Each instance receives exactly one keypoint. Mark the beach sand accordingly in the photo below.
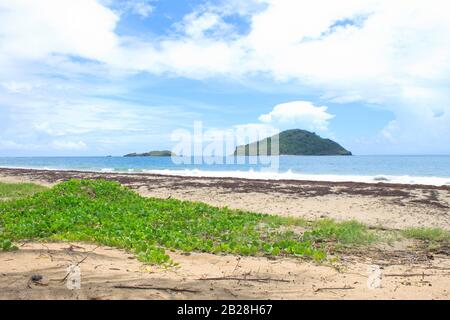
(408, 271)
(108, 273)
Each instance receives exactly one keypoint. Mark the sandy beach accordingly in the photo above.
(109, 273)
(409, 270)
(393, 206)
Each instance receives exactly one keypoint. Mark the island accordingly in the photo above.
(163, 153)
(294, 142)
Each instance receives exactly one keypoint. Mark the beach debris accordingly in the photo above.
(380, 178)
(244, 279)
(149, 287)
(238, 260)
(422, 275)
(334, 288)
(375, 276)
(73, 274)
(36, 279)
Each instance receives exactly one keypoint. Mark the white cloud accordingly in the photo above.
(390, 53)
(36, 29)
(55, 145)
(195, 25)
(68, 145)
(390, 131)
(142, 8)
(301, 114)
(18, 87)
(375, 43)
(13, 145)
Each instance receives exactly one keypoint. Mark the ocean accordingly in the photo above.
(431, 170)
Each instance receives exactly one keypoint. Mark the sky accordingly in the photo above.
(110, 77)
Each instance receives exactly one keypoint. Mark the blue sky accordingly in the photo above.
(99, 77)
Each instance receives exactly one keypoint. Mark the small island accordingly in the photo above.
(163, 153)
(294, 142)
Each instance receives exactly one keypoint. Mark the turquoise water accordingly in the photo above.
(402, 169)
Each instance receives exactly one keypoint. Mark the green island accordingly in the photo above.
(293, 142)
(108, 213)
(162, 153)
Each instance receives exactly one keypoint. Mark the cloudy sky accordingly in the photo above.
(97, 77)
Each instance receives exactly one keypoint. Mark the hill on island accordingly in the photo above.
(163, 153)
(294, 142)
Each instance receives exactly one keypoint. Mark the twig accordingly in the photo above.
(237, 264)
(244, 279)
(144, 287)
(72, 246)
(415, 274)
(335, 288)
(382, 228)
(48, 252)
(438, 268)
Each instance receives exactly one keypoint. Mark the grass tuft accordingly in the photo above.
(427, 234)
(10, 191)
(346, 233)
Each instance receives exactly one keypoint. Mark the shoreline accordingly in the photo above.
(171, 174)
(392, 206)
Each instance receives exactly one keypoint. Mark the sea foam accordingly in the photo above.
(289, 175)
